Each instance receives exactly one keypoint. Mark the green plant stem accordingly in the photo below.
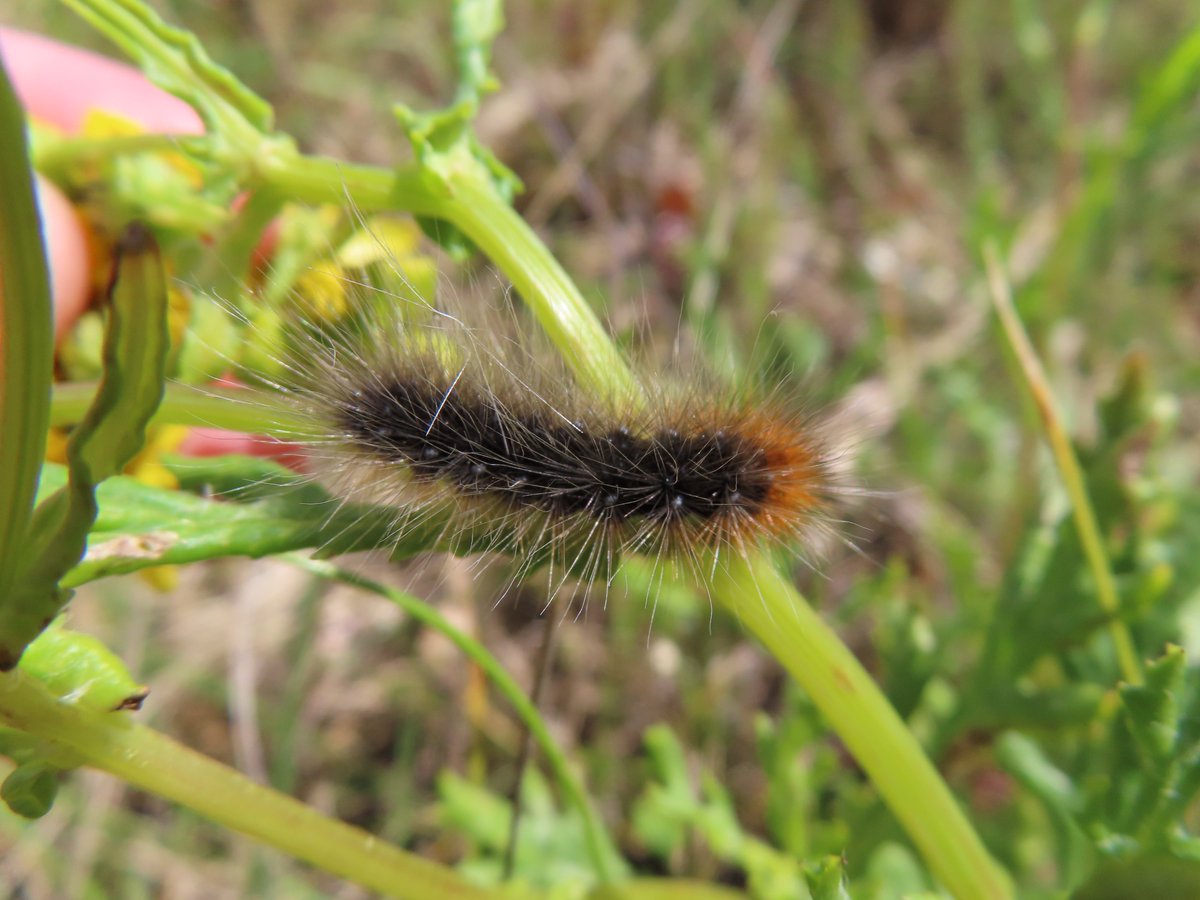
(1068, 468)
(155, 763)
(868, 725)
(55, 157)
(674, 888)
(320, 179)
(474, 207)
(547, 290)
(234, 409)
(606, 860)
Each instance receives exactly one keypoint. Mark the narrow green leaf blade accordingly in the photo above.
(265, 510)
(135, 358)
(26, 336)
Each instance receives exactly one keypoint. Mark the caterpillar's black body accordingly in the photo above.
(536, 460)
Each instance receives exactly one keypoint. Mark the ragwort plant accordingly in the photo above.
(1113, 787)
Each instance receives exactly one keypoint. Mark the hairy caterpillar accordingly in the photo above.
(432, 414)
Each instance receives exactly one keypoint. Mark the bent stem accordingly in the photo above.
(867, 724)
(547, 290)
(475, 207)
(155, 763)
(606, 860)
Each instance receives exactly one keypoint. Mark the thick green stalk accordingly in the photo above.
(319, 179)
(867, 724)
(545, 287)
(155, 763)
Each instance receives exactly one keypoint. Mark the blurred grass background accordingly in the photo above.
(810, 177)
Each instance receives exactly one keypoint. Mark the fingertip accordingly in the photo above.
(59, 85)
(67, 253)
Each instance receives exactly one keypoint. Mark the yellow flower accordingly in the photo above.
(147, 466)
(383, 238)
(321, 291)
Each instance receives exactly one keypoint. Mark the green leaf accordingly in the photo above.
(110, 435)
(448, 152)
(669, 808)
(1118, 175)
(1161, 718)
(263, 509)
(26, 335)
(896, 874)
(1050, 562)
(661, 816)
(1173, 87)
(1183, 791)
(234, 154)
(1143, 779)
(551, 849)
(827, 879)
(797, 767)
(79, 669)
(1028, 764)
(19, 746)
(30, 789)
(139, 526)
(135, 353)
(481, 814)
(1152, 709)
(1075, 703)
(717, 821)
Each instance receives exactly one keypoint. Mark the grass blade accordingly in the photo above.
(1068, 467)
